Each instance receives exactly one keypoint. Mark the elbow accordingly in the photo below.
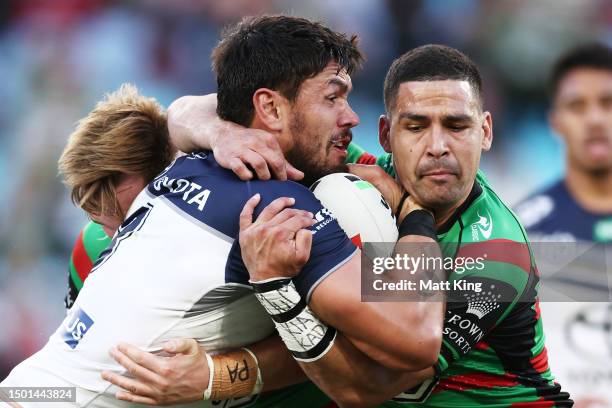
(354, 398)
(421, 351)
(177, 106)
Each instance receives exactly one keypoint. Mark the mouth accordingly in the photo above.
(440, 175)
(598, 146)
(341, 144)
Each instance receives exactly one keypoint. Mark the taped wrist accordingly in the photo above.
(303, 333)
(418, 222)
(232, 375)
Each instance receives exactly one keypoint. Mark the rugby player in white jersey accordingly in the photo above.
(174, 268)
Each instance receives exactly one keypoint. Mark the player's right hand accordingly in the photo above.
(391, 190)
(159, 380)
(277, 244)
(244, 150)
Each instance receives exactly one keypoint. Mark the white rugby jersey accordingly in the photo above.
(174, 270)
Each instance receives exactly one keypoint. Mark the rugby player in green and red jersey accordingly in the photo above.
(493, 352)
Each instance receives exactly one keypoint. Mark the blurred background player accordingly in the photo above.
(578, 208)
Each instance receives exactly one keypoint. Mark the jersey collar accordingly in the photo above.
(141, 199)
(474, 194)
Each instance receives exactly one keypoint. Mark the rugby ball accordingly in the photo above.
(358, 206)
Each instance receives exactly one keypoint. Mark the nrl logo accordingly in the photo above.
(484, 225)
(482, 303)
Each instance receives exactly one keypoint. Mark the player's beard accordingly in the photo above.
(310, 152)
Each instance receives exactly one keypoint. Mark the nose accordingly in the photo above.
(348, 118)
(437, 142)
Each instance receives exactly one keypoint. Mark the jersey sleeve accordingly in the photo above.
(488, 279)
(91, 241)
(357, 155)
(331, 247)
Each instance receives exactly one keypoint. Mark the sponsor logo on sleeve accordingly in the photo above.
(482, 303)
(323, 217)
(75, 326)
(470, 315)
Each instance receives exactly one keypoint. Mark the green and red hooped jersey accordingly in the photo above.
(92, 240)
(493, 352)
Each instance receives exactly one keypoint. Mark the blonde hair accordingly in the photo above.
(126, 133)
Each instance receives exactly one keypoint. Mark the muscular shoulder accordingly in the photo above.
(197, 186)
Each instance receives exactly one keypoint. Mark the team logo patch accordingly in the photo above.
(484, 225)
(77, 324)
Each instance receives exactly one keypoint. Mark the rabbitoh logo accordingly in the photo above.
(482, 303)
(484, 225)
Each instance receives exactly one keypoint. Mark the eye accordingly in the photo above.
(332, 98)
(414, 128)
(457, 129)
(606, 102)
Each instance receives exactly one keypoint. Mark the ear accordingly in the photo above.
(268, 111)
(487, 128)
(127, 187)
(384, 132)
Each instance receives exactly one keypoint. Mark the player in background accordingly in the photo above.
(493, 352)
(578, 208)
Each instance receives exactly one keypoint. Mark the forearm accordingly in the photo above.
(352, 379)
(193, 122)
(278, 367)
(327, 357)
(402, 335)
(418, 318)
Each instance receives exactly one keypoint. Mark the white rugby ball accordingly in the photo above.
(359, 207)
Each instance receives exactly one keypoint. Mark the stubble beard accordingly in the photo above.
(306, 155)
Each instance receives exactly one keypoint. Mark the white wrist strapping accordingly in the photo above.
(303, 333)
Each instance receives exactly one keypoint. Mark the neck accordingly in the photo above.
(592, 190)
(442, 215)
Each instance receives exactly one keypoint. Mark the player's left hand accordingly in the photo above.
(159, 380)
(277, 244)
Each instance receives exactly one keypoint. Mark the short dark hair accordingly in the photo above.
(277, 52)
(430, 62)
(589, 55)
